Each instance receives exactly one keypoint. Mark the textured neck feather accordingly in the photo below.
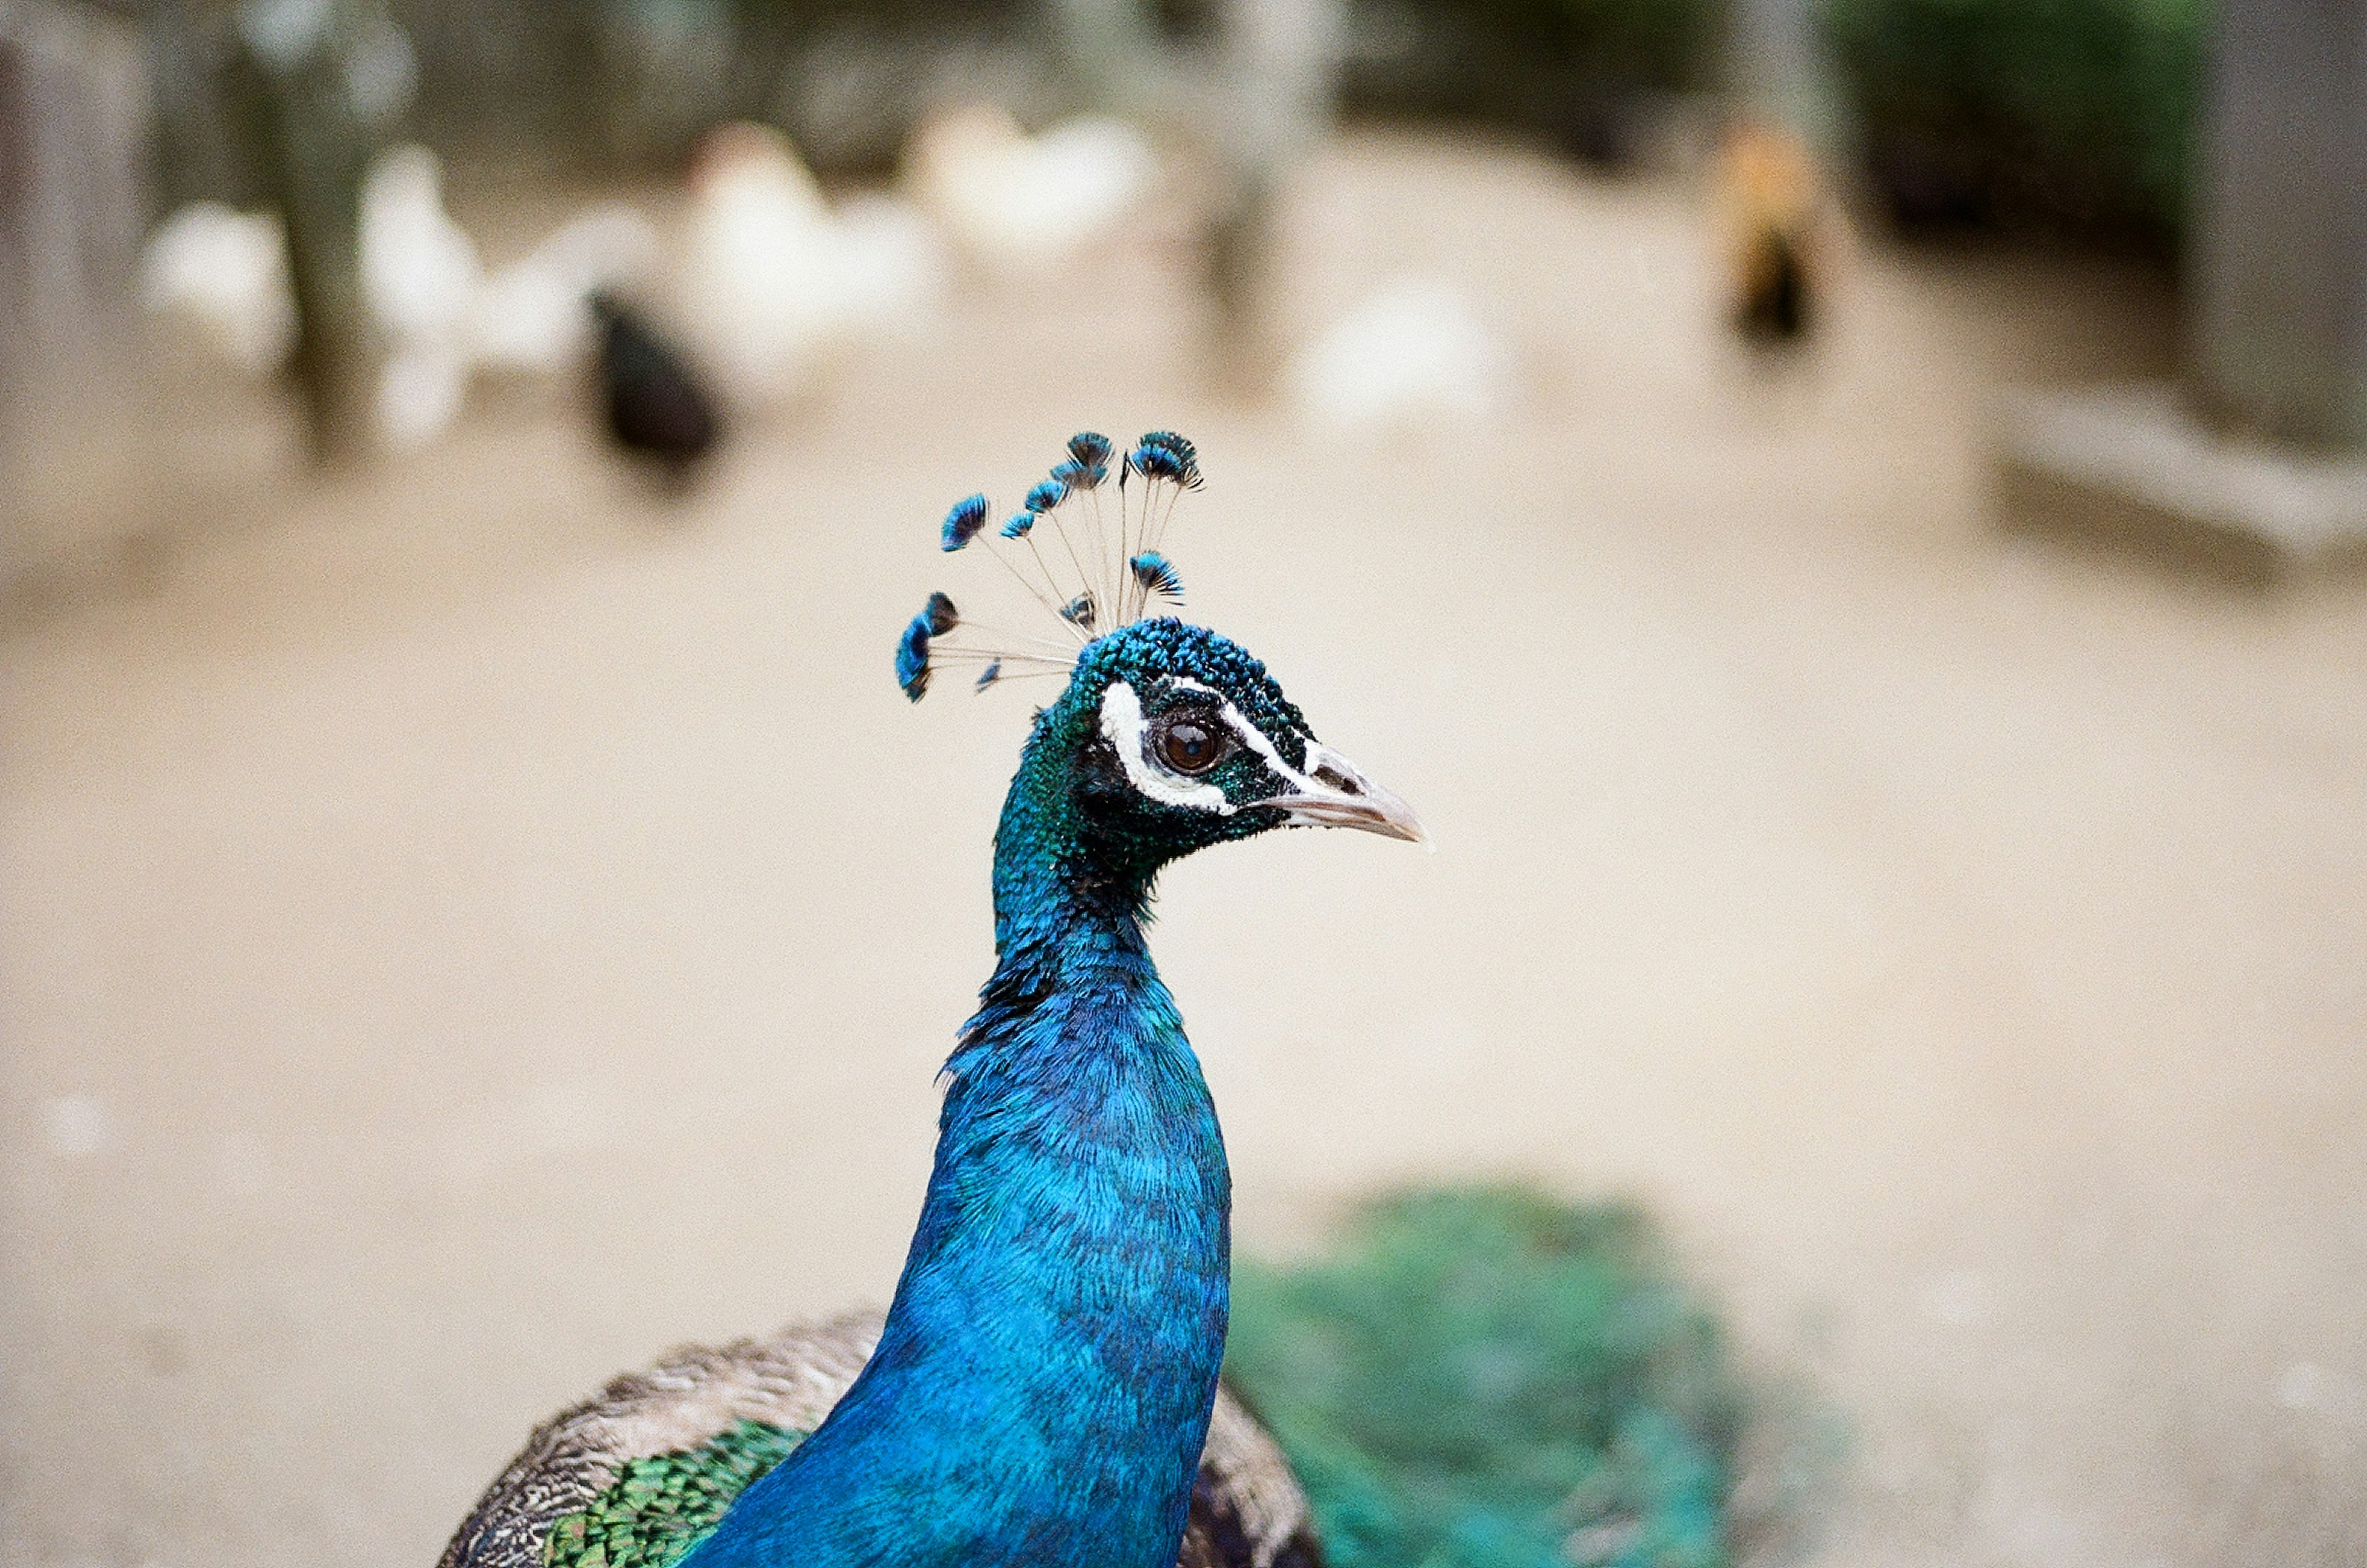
(1041, 1390)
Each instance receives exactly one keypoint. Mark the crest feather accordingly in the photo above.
(1163, 455)
(1157, 574)
(1098, 567)
(962, 524)
(912, 658)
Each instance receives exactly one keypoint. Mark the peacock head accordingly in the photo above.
(1166, 737)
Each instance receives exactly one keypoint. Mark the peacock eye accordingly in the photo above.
(1190, 747)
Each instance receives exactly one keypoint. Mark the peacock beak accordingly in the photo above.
(1334, 793)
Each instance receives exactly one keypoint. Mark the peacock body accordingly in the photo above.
(1044, 1388)
(640, 1472)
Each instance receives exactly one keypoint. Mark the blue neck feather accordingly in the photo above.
(1041, 1392)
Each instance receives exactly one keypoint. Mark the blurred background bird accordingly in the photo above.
(223, 273)
(1412, 356)
(1771, 209)
(656, 408)
(436, 315)
(774, 286)
(420, 281)
(535, 316)
(1017, 205)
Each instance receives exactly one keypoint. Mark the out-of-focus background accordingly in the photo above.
(1837, 511)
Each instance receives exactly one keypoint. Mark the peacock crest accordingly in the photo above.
(1085, 546)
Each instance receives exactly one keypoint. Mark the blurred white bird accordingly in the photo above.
(1021, 205)
(890, 269)
(227, 273)
(770, 289)
(756, 265)
(420, 281)
(772, 286)
(534, 315)
(1408, 357)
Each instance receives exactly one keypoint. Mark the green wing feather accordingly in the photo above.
(658, 1507)
(642, 1472)
(636, 1475)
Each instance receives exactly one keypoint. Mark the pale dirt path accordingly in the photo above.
(482, 930)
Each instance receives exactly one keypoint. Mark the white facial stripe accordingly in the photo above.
(1251, 735)
(1254, 738)
(1123, 724)
(1155, 781)
(1319, 759)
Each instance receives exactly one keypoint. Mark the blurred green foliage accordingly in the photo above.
(1573, 69)
(2064, 113)
(1642, 43)
(1484, 1377)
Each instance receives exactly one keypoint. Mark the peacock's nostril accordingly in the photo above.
(1344, 783)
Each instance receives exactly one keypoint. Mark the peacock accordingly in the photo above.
(1044, 1388)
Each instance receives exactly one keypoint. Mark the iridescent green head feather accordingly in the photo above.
(1176, 738)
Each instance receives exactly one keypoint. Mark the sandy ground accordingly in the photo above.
(464, 934)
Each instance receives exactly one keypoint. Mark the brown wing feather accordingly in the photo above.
(789, 1381)
(1247, 1508)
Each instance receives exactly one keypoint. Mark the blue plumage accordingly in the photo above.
(988, 676)
(1169, 441)
(1163, 455)
(1041, 1390)
(962, 524)
(1073, 580)
(912, 658)
(1156, 463)
(936, 618)
(1157, 574)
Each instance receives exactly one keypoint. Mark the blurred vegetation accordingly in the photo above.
(615, 85)
(1484, 1377)
(1577, 70)
(2063, 114)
